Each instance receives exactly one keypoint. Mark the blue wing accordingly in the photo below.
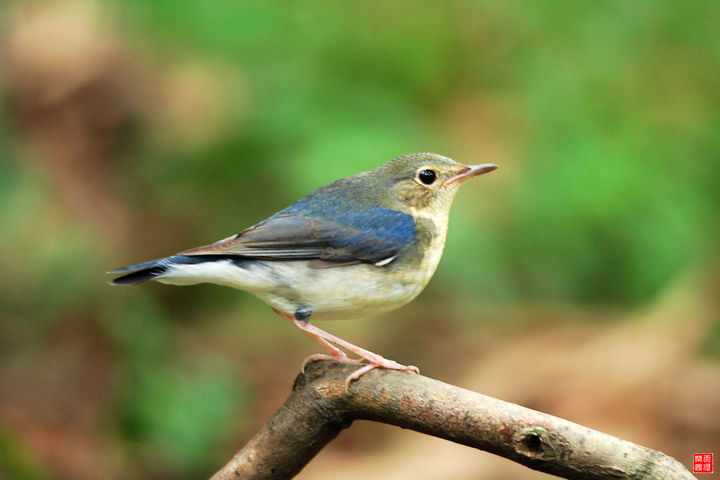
(334, 236)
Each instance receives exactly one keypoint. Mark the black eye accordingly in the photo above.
(427, 176)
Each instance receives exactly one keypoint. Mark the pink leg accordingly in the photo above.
(327, 340)
(337, 354)
(374, 360)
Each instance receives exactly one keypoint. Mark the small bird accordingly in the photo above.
(363, 245)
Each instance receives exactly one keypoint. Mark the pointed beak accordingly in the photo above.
(472, 171)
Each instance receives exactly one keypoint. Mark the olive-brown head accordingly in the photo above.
(424, 183)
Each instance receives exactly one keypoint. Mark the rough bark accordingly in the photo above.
(320, 406)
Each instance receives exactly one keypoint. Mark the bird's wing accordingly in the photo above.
(370, 236)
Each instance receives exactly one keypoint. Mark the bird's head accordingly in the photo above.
(425, 183)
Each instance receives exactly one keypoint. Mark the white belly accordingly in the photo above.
(331, 293)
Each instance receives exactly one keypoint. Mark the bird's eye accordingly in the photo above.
(427, 176)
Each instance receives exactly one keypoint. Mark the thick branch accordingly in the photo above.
(320, 407)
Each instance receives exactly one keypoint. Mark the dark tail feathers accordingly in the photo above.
(141, 272)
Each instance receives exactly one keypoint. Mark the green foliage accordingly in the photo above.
(16, 461)
(177, 416)
(711, 343)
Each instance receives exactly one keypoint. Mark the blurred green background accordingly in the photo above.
(581, 278)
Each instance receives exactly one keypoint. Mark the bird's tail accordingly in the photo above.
(141, 272)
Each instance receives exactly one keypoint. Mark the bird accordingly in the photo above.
(362, 245)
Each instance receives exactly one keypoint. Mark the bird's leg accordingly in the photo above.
(374, 360)
(337, 354)
(329, 341)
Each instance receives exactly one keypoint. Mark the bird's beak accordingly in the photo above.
(470, 171)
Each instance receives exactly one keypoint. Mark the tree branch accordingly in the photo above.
(320, 407)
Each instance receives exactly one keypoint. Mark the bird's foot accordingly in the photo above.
(376, 361)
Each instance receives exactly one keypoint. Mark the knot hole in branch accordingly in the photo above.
(532, 443)
(537, 444)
